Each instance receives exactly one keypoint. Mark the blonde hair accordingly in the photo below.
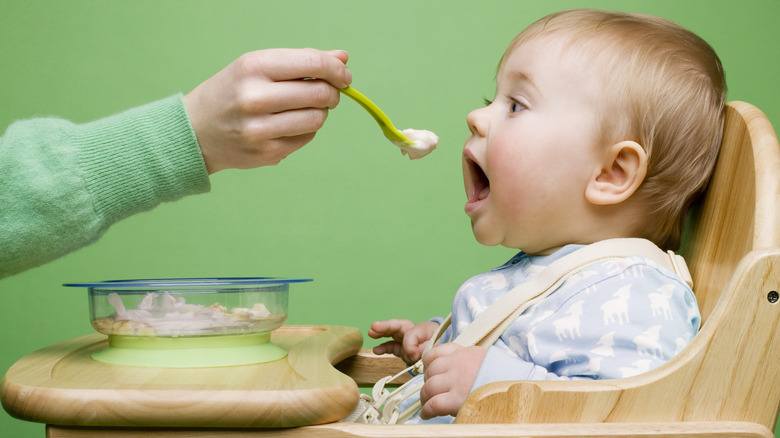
(665, 89)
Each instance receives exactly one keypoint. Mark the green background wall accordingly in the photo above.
(382, 237)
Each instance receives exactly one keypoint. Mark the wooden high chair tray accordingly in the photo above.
(61, 384)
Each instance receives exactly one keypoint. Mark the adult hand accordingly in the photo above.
(450, 372)
(265, 105)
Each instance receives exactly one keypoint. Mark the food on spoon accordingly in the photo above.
(423, 143)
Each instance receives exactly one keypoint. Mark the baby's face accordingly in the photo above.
(532, 151)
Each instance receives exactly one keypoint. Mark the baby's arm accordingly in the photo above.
(409, 339)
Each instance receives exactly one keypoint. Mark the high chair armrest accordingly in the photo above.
(540, 402)
(366, 367)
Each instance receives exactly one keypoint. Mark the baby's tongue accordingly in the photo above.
(484, 193)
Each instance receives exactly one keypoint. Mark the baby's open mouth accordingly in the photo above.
(479, 183)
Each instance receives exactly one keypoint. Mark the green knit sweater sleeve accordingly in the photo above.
(63, 184)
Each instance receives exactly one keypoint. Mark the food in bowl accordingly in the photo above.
(188, 307)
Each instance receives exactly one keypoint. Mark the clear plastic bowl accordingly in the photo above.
(188, 307)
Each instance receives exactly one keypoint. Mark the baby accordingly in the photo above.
(604, 125)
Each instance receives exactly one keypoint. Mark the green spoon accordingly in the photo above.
(390, 131)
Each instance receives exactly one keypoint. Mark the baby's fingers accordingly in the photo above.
(390, 347)
(394, 328)
(437, 399)
(433, 407)
(440, 351)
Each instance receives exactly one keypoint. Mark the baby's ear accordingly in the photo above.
(622, 172)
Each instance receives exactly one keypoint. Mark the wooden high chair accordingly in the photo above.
(725, 383)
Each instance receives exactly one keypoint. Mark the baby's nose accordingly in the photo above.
(477, 122)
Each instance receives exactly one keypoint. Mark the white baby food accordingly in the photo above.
(424, 143)
(166, 315)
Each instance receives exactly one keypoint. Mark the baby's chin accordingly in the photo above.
(491, 238)
(484, 237)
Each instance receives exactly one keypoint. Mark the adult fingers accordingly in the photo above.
(260, 97)
(270, 153)
(283, 125)
(342, 55)
(287, 64)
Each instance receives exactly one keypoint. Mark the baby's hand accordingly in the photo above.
(450, 371)
(408, 338)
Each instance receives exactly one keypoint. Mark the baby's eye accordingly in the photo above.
(487, 101)
(516, 106)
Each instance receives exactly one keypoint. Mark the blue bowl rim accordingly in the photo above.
(189, 282)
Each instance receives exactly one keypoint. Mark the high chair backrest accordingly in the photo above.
(729, 372)
(740, 210)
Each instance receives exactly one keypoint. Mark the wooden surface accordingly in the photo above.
(366, 368)
(347, 430)
(62, 385)
(741, 209)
